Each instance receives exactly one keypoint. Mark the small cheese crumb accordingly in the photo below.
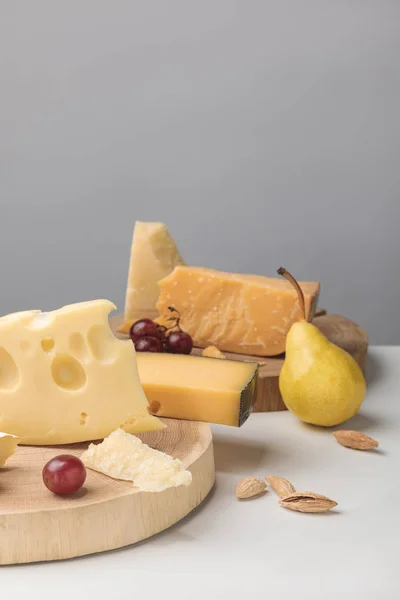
(213, 352)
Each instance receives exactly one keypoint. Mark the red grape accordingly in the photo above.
(179, 342)
(148, 344)
(145, 328)
(64, 474)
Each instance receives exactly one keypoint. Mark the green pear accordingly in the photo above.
(319, 382)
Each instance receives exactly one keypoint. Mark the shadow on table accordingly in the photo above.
(237, 456)
(374, 369)
(362, 422)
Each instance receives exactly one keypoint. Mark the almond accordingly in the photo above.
(282, 486)
(355, 440)
(249, 487)
(307, 502)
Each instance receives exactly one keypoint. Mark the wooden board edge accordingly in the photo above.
(98, 527)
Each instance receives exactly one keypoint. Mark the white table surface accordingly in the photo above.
(256, 549)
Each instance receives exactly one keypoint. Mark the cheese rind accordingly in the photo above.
(246, 314)
(126, 457)
(197, 388)
(65, 378)
(8, 445)
(154, 255)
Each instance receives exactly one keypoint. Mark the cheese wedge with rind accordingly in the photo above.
(245, 314)
(65, 378)
(196, 388)
(126, 457)
(154, 255)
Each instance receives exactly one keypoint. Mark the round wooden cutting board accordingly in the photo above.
(105, 514)
(339, 330)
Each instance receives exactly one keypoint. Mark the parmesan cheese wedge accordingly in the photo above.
(124, 456)
(154, 255)
(245, 314)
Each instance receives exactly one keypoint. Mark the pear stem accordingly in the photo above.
(292, 280)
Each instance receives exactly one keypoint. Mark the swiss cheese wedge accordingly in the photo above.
(196, 388)
(65, 378)
(247, 314)
(154, 255)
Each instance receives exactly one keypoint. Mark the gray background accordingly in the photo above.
(262, 132)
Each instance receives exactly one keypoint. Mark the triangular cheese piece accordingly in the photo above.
(154, 255)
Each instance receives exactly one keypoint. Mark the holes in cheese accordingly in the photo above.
(100, 339)
(155, 407)
(9, 373)
(47, 344)
(77, 346)
(25, 346)
(247, 314)
(72, 395)
(67, 372)
(197, 388)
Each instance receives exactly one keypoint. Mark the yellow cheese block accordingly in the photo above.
(153, 256)
(65, 378)
(197, 388)
(247, 314)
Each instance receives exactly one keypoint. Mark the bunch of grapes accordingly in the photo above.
(148, 336)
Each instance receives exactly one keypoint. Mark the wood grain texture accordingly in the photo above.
(339, 330)
(105, 514)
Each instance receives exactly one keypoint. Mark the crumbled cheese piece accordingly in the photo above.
(124, 456)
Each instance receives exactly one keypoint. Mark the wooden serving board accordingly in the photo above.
(339, 330)
(104, 514)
